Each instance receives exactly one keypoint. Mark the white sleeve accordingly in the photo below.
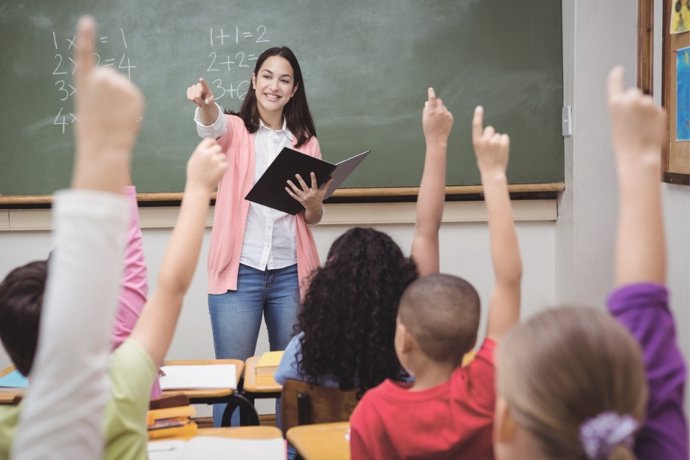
(62, 413)
(214, 130)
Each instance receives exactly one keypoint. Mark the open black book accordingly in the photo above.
(269, 190)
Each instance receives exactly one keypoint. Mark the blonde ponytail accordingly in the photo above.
(565, 367)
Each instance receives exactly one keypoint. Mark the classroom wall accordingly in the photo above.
(464, 243)
(463, 238)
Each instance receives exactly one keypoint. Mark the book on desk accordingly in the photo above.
(266, 367)
(171, 421)
(13, 380)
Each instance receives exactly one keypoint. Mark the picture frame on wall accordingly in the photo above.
(675, 84)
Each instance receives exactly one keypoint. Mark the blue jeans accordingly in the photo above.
(236, 315)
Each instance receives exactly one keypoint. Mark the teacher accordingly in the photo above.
(259, 257)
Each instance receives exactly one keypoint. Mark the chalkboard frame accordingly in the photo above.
(349, 195)
(401, 190)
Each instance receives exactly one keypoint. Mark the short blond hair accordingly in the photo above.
(566, 366)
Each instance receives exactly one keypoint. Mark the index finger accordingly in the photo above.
(477, 122)
(615, 82)
(431, 94)
(204, 85)
(83, 55)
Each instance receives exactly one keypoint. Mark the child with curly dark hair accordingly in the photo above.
(346, 325)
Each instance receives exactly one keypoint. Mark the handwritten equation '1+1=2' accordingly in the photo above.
(64, 66)
(231, 59)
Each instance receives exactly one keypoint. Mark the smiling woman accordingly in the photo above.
(259, 257)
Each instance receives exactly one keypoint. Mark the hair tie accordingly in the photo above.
(603, 433)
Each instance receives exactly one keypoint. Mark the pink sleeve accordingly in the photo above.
(134, 284)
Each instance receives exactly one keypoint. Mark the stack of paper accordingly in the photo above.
(266, 367)
(212, 447)
(198, 377)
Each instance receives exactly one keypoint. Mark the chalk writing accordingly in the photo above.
(114, 55)
(234, 51)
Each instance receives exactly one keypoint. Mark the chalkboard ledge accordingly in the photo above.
(347, 195)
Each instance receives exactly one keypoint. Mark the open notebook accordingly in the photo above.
(215, 447)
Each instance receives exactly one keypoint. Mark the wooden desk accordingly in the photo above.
(10, 395)
(250, 385)
(248, 414)
(322, 441)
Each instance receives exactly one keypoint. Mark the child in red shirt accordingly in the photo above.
(448, 411)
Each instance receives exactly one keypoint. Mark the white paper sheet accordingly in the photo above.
(210, 376)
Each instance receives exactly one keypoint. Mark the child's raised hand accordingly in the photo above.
(206, 165)
(638, 125)
(200, 94)
(437, 121)
(490, 147)
(109, 109)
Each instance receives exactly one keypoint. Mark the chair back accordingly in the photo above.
(302, 403)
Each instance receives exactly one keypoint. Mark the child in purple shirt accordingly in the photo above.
(640, 300)
(572, 382)
(643, 309)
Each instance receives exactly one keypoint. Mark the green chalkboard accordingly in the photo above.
(366, 63)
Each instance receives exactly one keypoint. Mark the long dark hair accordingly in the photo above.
(296, 111)
(349, 311)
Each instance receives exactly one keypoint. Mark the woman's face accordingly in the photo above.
(274, 85)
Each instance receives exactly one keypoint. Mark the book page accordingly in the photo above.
(207, 376)
(218, 447)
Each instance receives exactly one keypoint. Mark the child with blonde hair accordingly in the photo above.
(572, 383)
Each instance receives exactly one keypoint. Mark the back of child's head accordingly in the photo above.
(442, 313)
(349, 311)
(21, 301)
(573, 378)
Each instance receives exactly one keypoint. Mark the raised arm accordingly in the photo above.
(62, 412)
(637, 133)
(640, 301)
(491, 149)
(134, 286)
(156, 326)
(437, 123)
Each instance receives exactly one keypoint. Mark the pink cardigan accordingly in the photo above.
(230, 216)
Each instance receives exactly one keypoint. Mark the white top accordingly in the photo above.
(270, 235)
(62, 413)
